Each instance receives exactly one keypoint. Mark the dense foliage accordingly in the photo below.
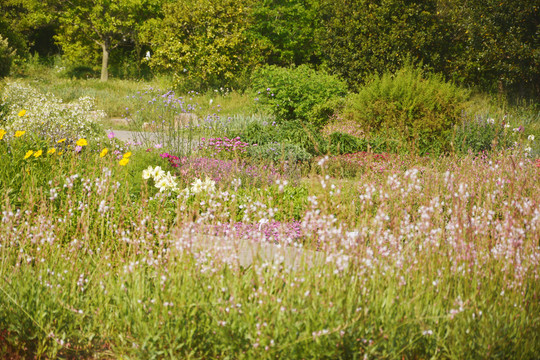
(6, 57)
(416, 108)
(489, 44)
(298, 93)
(363, 37)
(202, 42)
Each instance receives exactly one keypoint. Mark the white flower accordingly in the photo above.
(166, 182)
(528, 149)
(490, 121)
(530, 138)
(147, 173)
(157, 173)
(197, 186)
(209, 185)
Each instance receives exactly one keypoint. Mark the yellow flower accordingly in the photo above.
(38, 153)
(51, 151)
(2, 133)
(19, 133)
(61, 140)
(103, 152)
(28, 154)
(82, 142)
(22, 112)
(127, 155)
(124, 161)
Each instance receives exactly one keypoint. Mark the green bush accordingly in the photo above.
(277, 152)
(298, 93)
(6, 57)
(420, 109)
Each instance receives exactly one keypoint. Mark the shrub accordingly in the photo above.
(6, 57)
(46, 115)
(298, 93)
(277, 152)
(419, 108)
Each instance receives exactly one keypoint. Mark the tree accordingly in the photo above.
(286, 31)
(90, 25)
(22, 20)
(362, 37)
(496, 43)
(203, 42)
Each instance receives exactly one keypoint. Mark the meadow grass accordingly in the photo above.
(432, 258)
(110, 250)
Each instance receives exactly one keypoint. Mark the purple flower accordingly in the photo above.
(110, 135)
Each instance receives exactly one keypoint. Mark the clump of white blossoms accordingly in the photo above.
(47, 116)
(198, 186)
(164, 181)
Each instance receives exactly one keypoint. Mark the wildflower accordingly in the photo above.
(157, 173)
(38, 153)
(530, 137)
(61, 140)
(81, 142)
(209, 185)
(123, 162)
(103, 152)
(51, 151)
(147, 173)
(19, 133)
(22, 113)
(2, 133)
(78, 148)
(127, 155)
(28, 154)
(197, 186)
(110, 135)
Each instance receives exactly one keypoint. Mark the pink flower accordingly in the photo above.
(78, 148)
(110, 135)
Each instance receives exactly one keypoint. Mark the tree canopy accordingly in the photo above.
(485, 43)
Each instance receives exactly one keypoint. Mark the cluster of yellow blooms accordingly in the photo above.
(81, 142)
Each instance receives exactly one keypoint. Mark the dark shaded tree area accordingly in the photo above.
(490, 44)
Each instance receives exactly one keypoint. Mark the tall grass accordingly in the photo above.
(436, 259)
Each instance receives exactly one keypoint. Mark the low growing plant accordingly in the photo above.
(47, 116)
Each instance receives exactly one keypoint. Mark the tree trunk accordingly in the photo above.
(105, 61)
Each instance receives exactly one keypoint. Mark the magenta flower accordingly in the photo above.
(110, 135)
